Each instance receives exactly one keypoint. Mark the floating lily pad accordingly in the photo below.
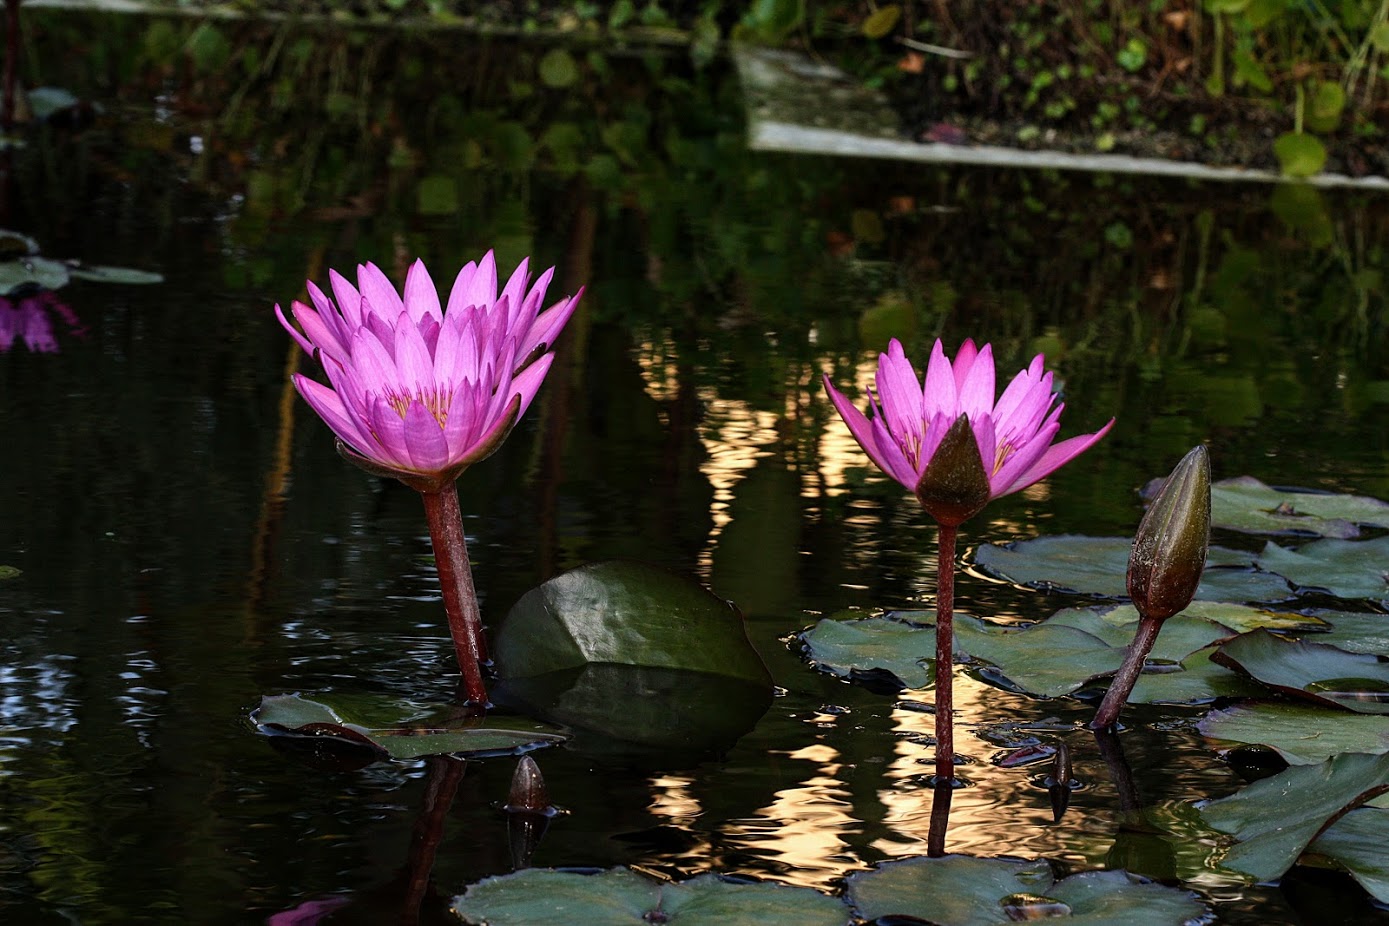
(1316, 672)
(9, 572)
(1355, 631)
(1345, 568)
(33, 270)
(127, 275)
(1356, 843)
(886, 644)
(419, 730)
(630, 614)
(1300, 733)
(1238, 617)
(959, 890)
(1246, 504)
(1275, 818)
(1048, 660)
(1099, 566)
(618, 896)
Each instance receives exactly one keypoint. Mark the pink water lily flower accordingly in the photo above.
(422, 389)
(1014, 434)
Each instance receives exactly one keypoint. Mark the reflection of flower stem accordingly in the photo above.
(945, 633)
(1112, 751)
(940, 818)
(441, 784)
(1127, 676)
(456, 580)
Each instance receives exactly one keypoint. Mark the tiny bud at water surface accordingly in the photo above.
(1169, 550)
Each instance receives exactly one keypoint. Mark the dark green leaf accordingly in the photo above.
(618, 896)
(1299, 155)
(1314, 672)
(1345, 568)
(1276, 817)
(1356, 843)
(1246, 504)
(958, 890)
(419, 730)
(624, 613)
(843, 647)
(1302, 734)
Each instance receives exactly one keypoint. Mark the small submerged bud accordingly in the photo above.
(1169, 550)
(955, 487)
(528, 794)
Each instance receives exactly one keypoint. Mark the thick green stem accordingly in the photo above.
(1127, 676)
(945, 654)
(456, 581)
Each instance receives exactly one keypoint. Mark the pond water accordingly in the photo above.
(188, 540)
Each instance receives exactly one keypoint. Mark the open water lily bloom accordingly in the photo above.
(1014, 434)
(418, 388)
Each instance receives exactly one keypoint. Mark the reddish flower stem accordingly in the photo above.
(1127, 676)
(456, 580)
(945, 655)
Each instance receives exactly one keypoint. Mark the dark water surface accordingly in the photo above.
(189, 541)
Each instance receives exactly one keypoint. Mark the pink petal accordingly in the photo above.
(330, 408)
(388, 429)
(318, 333)
(279, 313)
(378, 291)
(976, 387)
(370, 362)
(530, 307)
(527, 383)
(983, 427)
(899, 393)
(546, 329)
(936, 430)
(348, 299)
(475, 284)
(1024, 452)
(414, 367)
(939, 395)
(332, 318)
(1058, 455)
(515, 289)
(424, 440)
(421, 298)
(893, 464)
(890, 456)
(964, 362)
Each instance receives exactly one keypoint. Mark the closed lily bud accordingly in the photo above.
(1169, 550)
(955, 487)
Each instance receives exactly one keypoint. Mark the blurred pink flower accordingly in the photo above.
(1014, 434)
(417, 389)
(28, 320)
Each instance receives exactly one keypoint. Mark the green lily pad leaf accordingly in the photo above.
(1275, 818)
(618, 896)
(1356, 631)
(959, 890)
(1317, 672)
(99, 274)
(1238, 617)
(9, 572)
(1099, 566)
(1356, 843)
(33, 270)
(629, 614)
(1049, 660)
(849, 647)
(1300, 733)
(1246, 504)
(419, 730)
(670, 710)
(1345, 568)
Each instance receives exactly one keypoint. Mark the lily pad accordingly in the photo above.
(1300, 733)
(1237, 617)
(420, 730)
(848, 647)
(1356, 843)
(1246, 504)
(628, 614)
(959, 890)
(126, 275)
(1276, 818)
(1049, 660)
(33, 270)
(618, 896)
(1345, 568)
(1355, 631)
(9, 572)
(1316, 672)
(1099, 566)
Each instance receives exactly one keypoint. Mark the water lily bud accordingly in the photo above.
(1169, 550)
(955, 487)
(528, 794)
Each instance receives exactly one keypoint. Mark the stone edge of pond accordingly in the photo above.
(799, 106)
